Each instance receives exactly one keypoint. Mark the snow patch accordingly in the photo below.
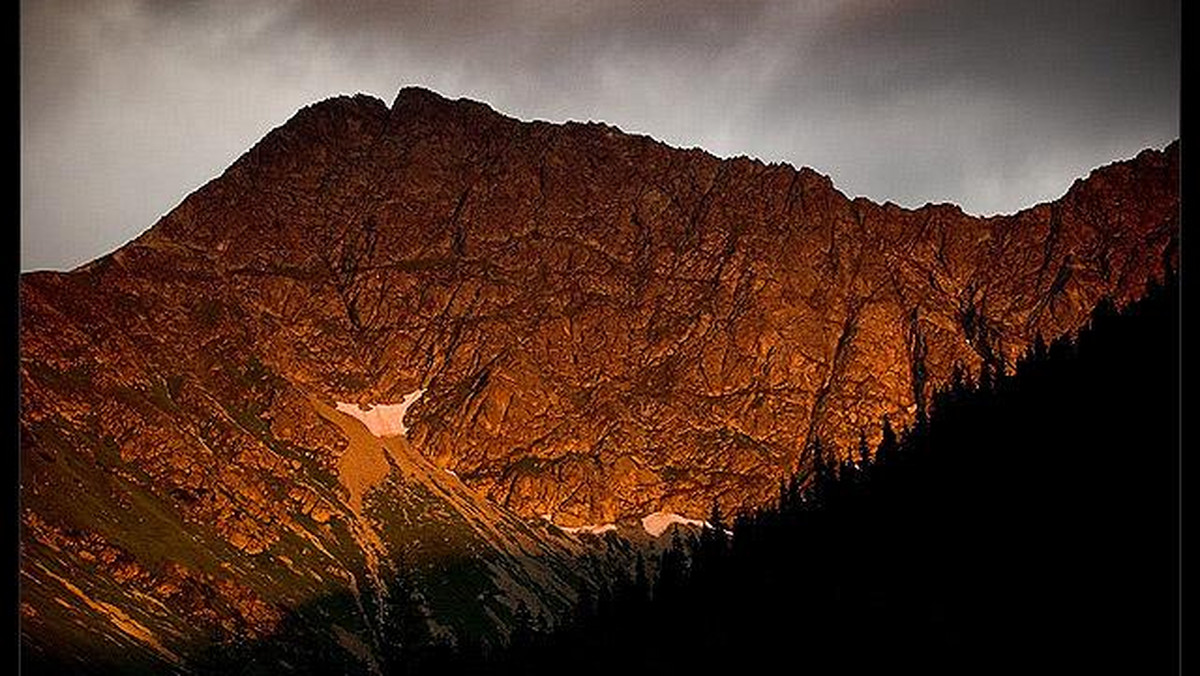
(657, 523)
(594, 529)
(383, 420)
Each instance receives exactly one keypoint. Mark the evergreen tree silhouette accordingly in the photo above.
(888, 445)
(864, 450)
(672, 570)
(1038, 349)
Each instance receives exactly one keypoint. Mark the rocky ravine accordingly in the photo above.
(599, 326)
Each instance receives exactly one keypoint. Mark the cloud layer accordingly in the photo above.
(127, 106)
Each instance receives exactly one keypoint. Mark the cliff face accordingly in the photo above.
(594, 326)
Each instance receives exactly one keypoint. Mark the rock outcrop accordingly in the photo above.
(600, 327)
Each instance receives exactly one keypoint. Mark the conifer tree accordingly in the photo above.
(888, 445)
(672, 570)
(864, 451)
(641, 583)
(1039, 349)
(712, 539)
(958, 380)
(986, 376)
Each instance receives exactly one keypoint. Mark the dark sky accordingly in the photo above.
(127, 106)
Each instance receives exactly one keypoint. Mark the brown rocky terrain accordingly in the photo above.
(601, 327)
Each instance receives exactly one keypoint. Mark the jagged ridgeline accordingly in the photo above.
(427, 352)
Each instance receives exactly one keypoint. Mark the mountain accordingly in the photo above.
(389, 347)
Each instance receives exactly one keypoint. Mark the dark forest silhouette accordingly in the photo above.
(1027, 524)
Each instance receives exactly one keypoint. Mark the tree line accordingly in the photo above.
(1027, 522)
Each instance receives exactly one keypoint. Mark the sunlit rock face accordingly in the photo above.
(603, 326)
(600, 327)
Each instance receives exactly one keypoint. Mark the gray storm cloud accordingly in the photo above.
(128, 106)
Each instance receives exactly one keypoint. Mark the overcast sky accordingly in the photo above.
(127, 106)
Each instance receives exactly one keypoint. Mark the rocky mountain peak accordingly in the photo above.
(606, 326)
(419, 101)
